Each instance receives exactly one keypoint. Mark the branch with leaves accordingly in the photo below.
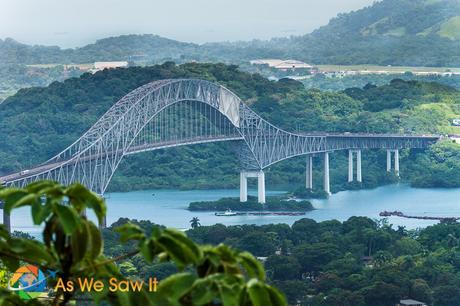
(73, 247)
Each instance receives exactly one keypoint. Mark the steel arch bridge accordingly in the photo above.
(176, 112)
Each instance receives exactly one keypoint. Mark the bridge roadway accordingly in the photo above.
(135, 149)
(341, 142)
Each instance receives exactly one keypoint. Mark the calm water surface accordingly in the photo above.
(168, 207)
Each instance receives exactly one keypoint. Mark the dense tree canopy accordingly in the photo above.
(359, 262)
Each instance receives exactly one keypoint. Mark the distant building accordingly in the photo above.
(411, 303)
(455, 138)
(261, 258)
(283, 65)
(109, 65)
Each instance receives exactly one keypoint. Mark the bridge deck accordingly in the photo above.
(199, 140)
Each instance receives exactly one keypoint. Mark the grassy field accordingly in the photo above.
(451, 28)
(80, 66)
(388, 69)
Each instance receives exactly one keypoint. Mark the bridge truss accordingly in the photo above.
(171, 113)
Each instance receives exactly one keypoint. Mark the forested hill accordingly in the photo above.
(126, 47)
(37, 123)
(390, 32)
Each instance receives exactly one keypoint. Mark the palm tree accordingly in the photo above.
(195, 222)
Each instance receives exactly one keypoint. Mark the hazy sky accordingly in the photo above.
(70, 23)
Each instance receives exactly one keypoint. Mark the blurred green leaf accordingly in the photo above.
(253, 267)
(80, 240)
(129, 231)
(258, 293)
(96, 240)
(68, 218)
(80, 197)
(11, 198)
(171, 289)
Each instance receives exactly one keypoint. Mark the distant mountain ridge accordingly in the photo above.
(390, 32)
(123, 47)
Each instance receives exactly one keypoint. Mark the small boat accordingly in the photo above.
(227, 213)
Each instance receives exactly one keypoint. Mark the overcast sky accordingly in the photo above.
(70, 23)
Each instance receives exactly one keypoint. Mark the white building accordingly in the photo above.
(109, 65)
(283, 65)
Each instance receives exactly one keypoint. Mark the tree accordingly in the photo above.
(257, 243)
(195, 222)
(420, 291)
(382, 294)
(313, 257)
(72, 247)
(448, 295)
(283, 267)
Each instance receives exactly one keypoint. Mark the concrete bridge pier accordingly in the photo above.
(396, 161)
(327, 187)
(388, 160)
(243, 187)
(260, 175)
(350, 166)
(261, 187)
(309, 172)
(6, 219)
(103, 223)
(359, 177)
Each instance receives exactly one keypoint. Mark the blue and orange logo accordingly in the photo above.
(28, 282)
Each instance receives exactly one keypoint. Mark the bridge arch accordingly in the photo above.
(94, 157)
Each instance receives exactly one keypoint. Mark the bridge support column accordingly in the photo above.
(396, 161)
(388, 160)
(327, 187)
(103, 223)
(359, 176)
(261, 187)
(260, 175)
(350, 166)
(243, 187)
(6, 219)
(309, 172)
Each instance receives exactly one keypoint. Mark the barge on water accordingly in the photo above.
(229, 213)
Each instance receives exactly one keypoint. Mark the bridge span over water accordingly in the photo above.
(177, 112)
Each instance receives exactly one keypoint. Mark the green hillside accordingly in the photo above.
(152, 48)
(390, 32)
(451, 28)
(37, 123)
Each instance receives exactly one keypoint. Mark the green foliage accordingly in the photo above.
(439, 166)
(273, 204)
(195, 222)
(4, 277)
(72, 246)
(356, 262)
(321, 82)
(17, 76)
